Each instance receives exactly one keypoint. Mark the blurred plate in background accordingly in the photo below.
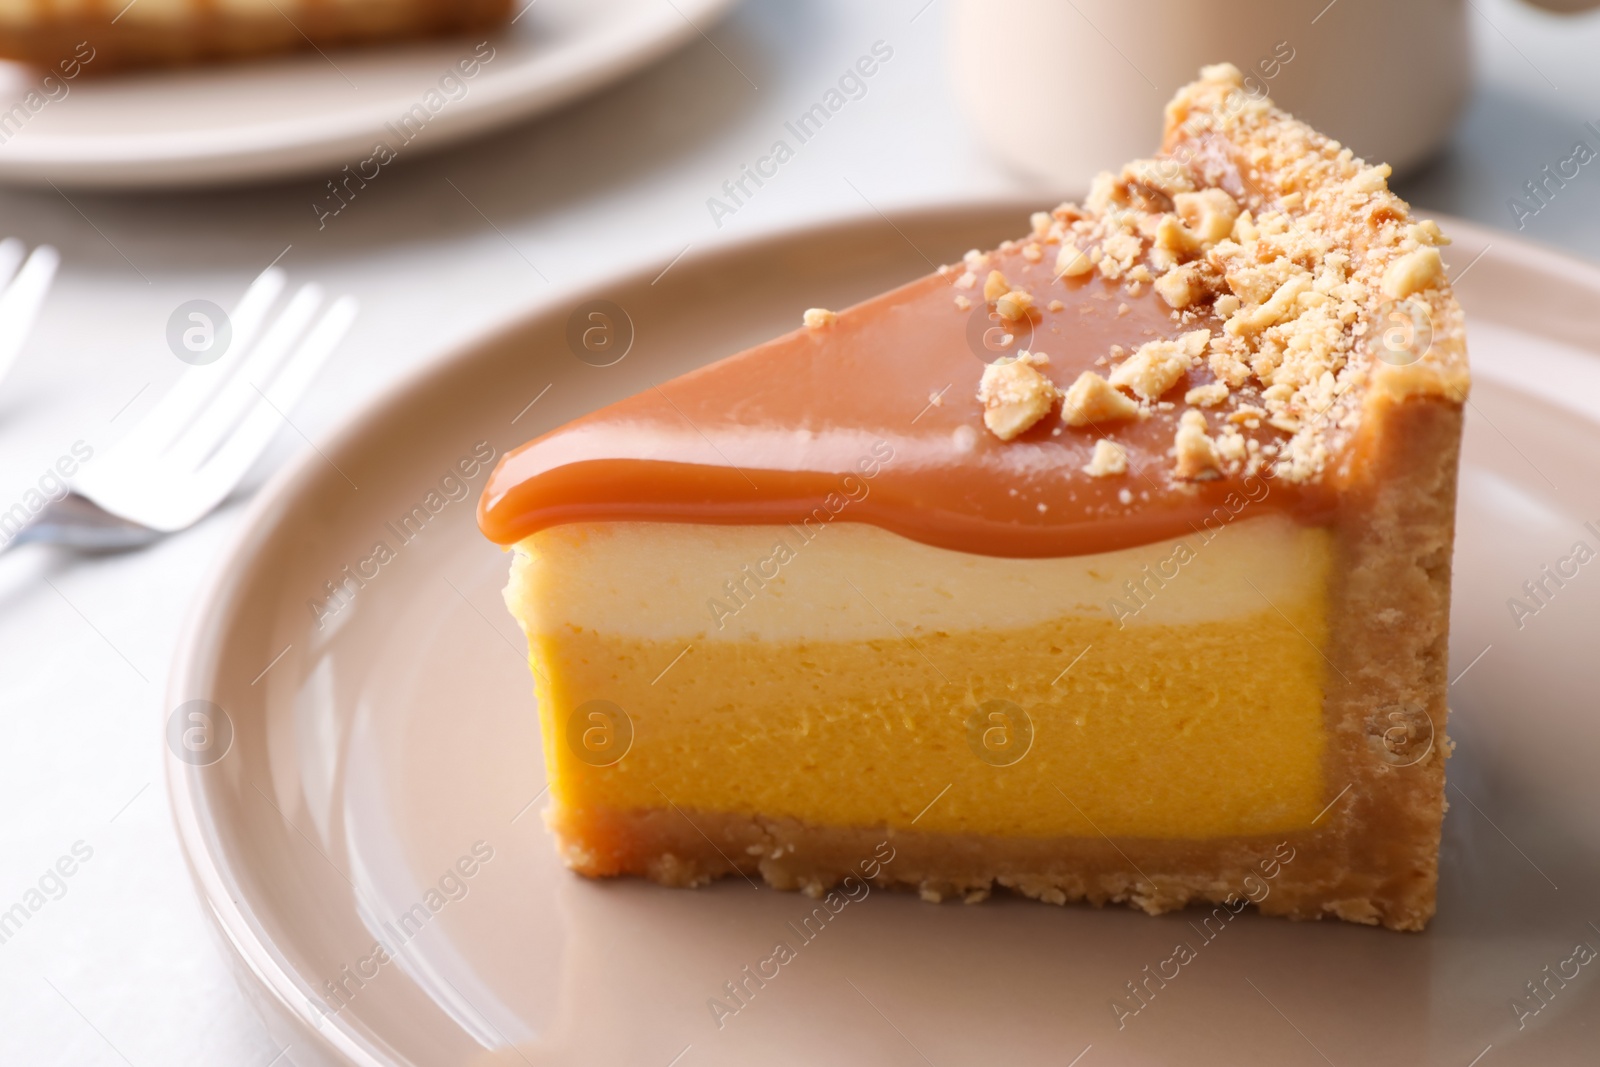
(270, 118)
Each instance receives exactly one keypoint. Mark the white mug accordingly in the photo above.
(1063, 89)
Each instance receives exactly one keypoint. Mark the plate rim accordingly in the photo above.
(282, 148)
(198, 645)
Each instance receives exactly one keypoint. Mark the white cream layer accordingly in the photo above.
(672, 581)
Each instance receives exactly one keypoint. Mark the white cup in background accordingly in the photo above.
(1062, 89)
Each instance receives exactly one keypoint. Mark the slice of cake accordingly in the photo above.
(95, 38)
(1148, 604)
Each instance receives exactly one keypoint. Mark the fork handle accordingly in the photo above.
(78, 522)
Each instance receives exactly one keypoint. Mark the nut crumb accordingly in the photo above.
(1015, 305)
(995, 286)
(1056, 305)
(1070, 262)
(1208, 215)
(1197, 455)
(963, 303)
(1109, 459)
(1427, 232)
(1180, 286)
(819, 318)
(1091, 399)
(1413, 272)
(1157, 365)
(1207, 396)
(1014, 397)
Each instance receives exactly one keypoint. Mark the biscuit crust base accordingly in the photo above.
(207, 35)
(1371, 856)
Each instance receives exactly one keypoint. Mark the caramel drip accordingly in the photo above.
(836, 424)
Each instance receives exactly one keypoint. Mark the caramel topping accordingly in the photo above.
(818, 417)
(1238, 273)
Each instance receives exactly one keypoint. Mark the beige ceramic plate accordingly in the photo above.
(372, 750)
(287, 115)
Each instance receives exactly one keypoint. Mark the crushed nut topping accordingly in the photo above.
(818, 318)
(1157, 365)
(1207, 396)
(1274, 248)
(1092, 400)
(1181, 286)
(1108, 459)
(1413, 272)
(1014, 305)
(1071, 262)
(1197, 455)
(1014, 396)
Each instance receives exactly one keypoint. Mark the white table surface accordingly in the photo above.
(122, 968)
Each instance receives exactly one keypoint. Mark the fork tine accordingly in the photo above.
(232, 459)
(188, 397)
(20, 303)
(11, 250)
(233, 401)
(314, 351)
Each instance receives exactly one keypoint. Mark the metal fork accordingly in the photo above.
(24, 292)
(184, 458)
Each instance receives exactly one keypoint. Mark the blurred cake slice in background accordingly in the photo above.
(114, 35)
